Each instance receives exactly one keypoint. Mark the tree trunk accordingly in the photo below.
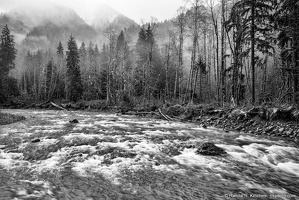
(264, 75)
(252, 51)
(222, 55)
(295, 74)
(194, 49)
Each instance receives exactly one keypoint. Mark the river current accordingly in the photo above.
(110, 156)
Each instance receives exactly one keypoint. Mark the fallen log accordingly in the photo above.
(43, 104)
(57, 106)
(60, 107)
(165, 116)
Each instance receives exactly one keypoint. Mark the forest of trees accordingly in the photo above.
(227, 51)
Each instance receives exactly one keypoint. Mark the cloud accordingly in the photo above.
(7, 4)
(134, 9)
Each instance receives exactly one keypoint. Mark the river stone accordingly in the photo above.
(210, 149)
(35, 140)
(74, 121)
(238, 114)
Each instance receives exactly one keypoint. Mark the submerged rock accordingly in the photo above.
(74, 121)
(35, 140)
(210, 149)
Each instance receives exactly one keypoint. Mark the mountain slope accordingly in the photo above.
(14, 25)
(43, 26)
(104, 16)
(42, 11)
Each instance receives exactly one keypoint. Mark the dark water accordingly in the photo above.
(107, 156)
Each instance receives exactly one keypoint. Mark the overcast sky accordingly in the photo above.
(134, 9)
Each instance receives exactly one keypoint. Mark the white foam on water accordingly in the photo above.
(111, 172)
(62, 115)
(156, 132)
(207, 130)
(166, 124)
(51, 131)
(81, 148)
(141, 122)
(92, 163)
(169, 168)
(37, 112)
(23, 145)
(282, 158)
(50, 163)
(190, 158)
(183, 133)
(46, 127)
(254, 149)
(275, 156)
(105, 115)
(27, 134)
(57, 158)
(82, 125)
(8, 130)
(82, 136)
(289, 167)
(9, 160)
(251, 139)
(145, 146)
(124, 145)
(47, 142)
(78, 128)
(283, 150)
(231, 148)
(61, 123)
(242, 157)
(112, 124)
(280, 154)
(3, 135)
(237, 153)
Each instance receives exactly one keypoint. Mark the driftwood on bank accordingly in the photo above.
(164, 115)
(57, 106)
(61, 108)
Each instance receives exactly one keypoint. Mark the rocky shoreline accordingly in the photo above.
(261, 120)
(270, 121)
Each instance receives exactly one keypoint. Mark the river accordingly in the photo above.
(110, 156)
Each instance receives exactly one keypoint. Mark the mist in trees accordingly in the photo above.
(7, 58)
(228, 52)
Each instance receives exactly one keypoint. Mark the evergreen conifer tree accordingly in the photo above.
(7, 57)
(61, 72)
(251, 21)
(74, 87)
(60, 49)
(286, 22)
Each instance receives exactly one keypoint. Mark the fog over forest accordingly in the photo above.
(207, 52)
(149, 99)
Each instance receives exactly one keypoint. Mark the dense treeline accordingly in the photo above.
(229, 51)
